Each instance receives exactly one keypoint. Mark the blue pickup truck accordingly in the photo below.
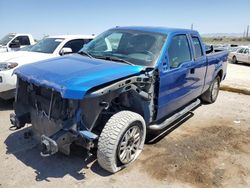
(125, 83)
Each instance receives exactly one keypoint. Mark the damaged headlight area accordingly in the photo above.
(56, 122)
(7, 65)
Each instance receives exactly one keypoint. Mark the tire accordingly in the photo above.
(211, 94)
(234, 60)
(116, 138)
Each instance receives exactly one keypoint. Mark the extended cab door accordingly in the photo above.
(183, 80)
(199, 65)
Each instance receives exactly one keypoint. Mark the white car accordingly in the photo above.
(241, 55)
(49, 47)
(15, 41)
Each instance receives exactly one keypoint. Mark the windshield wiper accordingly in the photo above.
(112, 58)
(85, 53)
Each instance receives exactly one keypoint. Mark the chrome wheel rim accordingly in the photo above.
(215, 90)
(129, 144)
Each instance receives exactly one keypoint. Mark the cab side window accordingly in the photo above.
(246, 51)
(179, 51)
(75, 45)
(241, 50)
(197, 47)
(23, 40)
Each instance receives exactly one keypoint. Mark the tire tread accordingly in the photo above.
(110, 137)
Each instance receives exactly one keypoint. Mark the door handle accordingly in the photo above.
(192, 71)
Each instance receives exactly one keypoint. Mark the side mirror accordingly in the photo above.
(15, 44)
(209, 49)
(65, 51)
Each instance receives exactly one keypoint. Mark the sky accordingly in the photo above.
(53, 17)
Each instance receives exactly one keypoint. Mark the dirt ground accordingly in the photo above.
(210, 149)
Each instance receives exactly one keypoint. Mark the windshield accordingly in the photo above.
(47, 45)
(4, 41)
(137, 47)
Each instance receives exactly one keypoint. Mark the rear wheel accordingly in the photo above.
(234, 60)
(121, 141)
(211, 94)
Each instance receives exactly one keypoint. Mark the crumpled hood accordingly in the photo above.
(74, 75)
(24, 57)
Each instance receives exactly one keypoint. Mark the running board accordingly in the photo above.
(175, 116)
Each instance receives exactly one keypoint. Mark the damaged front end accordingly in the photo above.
(58, 122)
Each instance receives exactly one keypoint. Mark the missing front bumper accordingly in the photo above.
(54, 136)
(49, 146)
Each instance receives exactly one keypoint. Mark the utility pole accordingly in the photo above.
(192, 26)
(247, 31)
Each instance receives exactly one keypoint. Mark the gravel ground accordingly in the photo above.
(210, 149)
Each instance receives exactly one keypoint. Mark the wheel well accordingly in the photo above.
(127, 101)
(220, 74)
(234, 58)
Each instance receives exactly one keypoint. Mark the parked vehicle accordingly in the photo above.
(225, 47)
(124, 83)
(218, 48)
(241, 55)
(15, 41)
(50, 47)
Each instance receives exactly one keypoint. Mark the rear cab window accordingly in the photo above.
(179, 51)
(241, 50)
(198, 52)
(246, 51)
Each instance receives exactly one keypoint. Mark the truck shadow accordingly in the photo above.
(153, 138)
(56, 166)
(6, 105)
(59, 165)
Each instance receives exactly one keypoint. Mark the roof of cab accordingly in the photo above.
(163, 30)
(73, 36)
(17, 34)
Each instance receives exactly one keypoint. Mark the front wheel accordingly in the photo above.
(211, 94)
(121, 141)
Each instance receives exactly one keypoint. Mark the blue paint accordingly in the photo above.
(74, 75)
(178, 86)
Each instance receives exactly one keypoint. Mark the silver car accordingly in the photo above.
(241, 55)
